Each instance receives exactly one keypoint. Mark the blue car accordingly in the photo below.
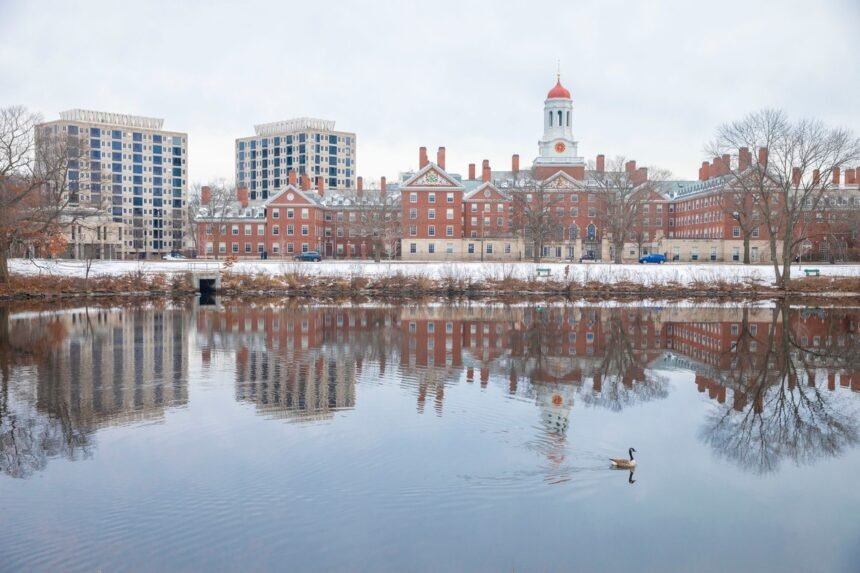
(309, 256)
(653, 258)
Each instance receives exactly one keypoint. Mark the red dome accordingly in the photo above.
(558, 92)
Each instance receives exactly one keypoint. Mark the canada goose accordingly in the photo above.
(630, 477)
(622, 463)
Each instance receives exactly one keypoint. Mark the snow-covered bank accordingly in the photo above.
(682, 274)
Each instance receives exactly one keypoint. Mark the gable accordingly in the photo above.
(432, 176)
(561, 180)
(290, 196)
(486, 192)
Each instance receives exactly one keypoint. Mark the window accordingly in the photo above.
(431, 248)
(449, 248)
(276, 230)
(755, 233)
(413, 197)
(470, 248)
(413, 231)
(304, 213)
(736, 232)
(247, 230)
(450, 198)
(276, 213)
(489, 248)
(431, 197)
(431, 230)
(234, 229)
(449, 231)
(449, 214)
(290, 230)
(507, 248)
(261, 230)
(247, 247)
(431, 214)
(413, 248)
(235, 247)
(291, 213)
(413, 213)
(592, 212)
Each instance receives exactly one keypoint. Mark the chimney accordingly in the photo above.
(422, 157)
(321, 186)
(716, 167)
(727, 164)
(850, 177)
(795, 175)
(359, 190)
(485, 171)
(705, 171)
(242, 196)
(306, 183)
(630, 166)
(471, 172)
(836, 176)
(601, 163)
(205, 195)
(816, 176)
(382, 186)
(762, 156)
(440, 158)
(744, 158)
(293, 176)
(515, 163)
(641, 175)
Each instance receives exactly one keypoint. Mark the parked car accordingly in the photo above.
(174, 256)
(309, 256)
(653, 258)
(587, 258)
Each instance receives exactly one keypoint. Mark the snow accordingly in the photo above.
(646, 275)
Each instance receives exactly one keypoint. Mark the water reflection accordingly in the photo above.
(778, 363)
(64, 375)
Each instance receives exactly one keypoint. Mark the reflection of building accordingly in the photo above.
(116, 366)
(67, 374)
(298, 363)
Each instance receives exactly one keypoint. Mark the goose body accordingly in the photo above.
(622, 463)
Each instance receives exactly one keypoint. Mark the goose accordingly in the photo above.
(622, 463)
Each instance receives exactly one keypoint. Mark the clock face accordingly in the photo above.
(560, 147)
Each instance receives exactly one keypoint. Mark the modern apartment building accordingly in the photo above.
(130, 168)
(308, 146)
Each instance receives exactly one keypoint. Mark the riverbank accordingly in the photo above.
(344, 279)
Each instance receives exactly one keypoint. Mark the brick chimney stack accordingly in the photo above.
(242, 196)
(795, 175)
(836, 176)
(716, 167)
(515, 163)
(471, 172)
(727, 164)
(601, 163)
(744, 158)
(816, 176)
(850, 176)
(485, 171)
(762, 156)
(382, 185)
(306, 183)
(321, 186)
(440, 158)
(292, 177)
(422, 157)
(630, 166)
(359, 186)
(705, 171)
(205, 195)
(641, 175)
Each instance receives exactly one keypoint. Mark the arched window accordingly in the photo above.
(550, 119)
(560, 123)
(574, 232)
(568, 119)
(592, 232)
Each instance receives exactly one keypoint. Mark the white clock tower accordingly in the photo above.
(557, 146)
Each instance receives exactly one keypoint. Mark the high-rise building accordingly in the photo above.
(305, 145)
(133, 169)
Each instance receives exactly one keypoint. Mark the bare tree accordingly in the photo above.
(194, 205)
(623, 192)
(214, 213)
(536, 215)
(378, 220)
(34, 189)
(789, 178)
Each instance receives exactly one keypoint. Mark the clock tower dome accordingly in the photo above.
(557, 148)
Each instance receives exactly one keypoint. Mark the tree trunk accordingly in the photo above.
(746, 248)
(536, 252)
(619, 252)
(4, 265)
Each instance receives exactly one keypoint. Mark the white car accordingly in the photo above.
(174, 257)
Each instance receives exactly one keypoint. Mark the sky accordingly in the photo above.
(650, 81)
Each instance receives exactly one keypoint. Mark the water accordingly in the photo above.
(254, 436)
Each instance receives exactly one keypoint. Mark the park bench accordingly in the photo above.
(543, 272)
(811, 272)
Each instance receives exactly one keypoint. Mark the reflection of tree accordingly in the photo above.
(28, 438)
(622, 378)
(779, 411)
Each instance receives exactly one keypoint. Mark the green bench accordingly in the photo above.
(543, 272)
(811, 272)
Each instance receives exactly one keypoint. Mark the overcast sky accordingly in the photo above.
(649, 80)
